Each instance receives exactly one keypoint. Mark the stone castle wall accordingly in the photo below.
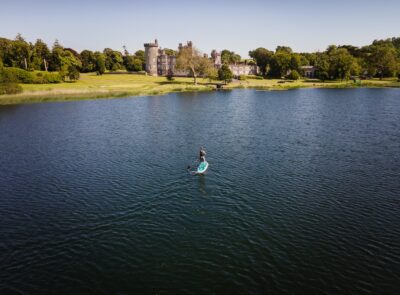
(160, 64)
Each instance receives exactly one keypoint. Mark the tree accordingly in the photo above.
(383, 60)
(114, 59)
(62, 59)
(341, 63)
(88, 59)
(100, 63)
(20, 53)
(191, 60)
(280, 64)
(284, 49)
(230, 57)
(294, 75)
(262, 57)
(40, 55)
(169, 52)
(132, 63)
(225, 74)
(322, 64)
(73, 73)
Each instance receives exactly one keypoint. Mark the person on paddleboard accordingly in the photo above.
(202, 155)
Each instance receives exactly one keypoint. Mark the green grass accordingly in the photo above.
(91, 86)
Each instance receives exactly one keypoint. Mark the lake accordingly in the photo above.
(302, 194)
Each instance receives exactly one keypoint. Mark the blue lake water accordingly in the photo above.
(302, 194)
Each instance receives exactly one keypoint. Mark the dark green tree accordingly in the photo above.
(230, 57)
(100, 63)
(41, 56)
(73, 73)
(225, 74)
(88, 59)
(262, 57)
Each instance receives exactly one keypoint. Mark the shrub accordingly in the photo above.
(294, 75)
(323, 75)
(170, 77)
(73, 73)
(242, 77)
(10, 88)
(225, 73)
(255, 77)
(16, 75)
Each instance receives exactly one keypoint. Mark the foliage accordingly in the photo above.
(191, 60)
(16, 75)
(114, 59)
(262, 57)
(379, 59)
(230, 57)
(170, 52)
(100, 63)
(73, 73)
(225, 74)
(341, 63)
(294, 75)
(10, 88)
(284, 49)
(88, 59)
(132, 63)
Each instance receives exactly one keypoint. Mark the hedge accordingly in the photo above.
(16, 75)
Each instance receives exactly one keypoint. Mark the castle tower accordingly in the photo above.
(151, 54)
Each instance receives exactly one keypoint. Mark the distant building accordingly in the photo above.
(158, 63)
(308, 71)
(238, 69)
(165, 63)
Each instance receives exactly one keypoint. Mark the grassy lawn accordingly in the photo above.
(91, 86)
(276, 84)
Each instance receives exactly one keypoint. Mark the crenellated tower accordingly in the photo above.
(151, 54)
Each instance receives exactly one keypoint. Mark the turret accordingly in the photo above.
(150, 54)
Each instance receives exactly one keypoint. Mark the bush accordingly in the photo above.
(242, 77)
(73, 73)
(323, 76)
(170, 77)
(225, 74)
(255, 77)
(10, 88)
(294, 75)
(16, 75)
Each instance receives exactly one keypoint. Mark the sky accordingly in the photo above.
(239, 26)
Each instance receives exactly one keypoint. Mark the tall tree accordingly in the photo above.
(225, 74)
(262, 57)
(100, 62)
(191, 60)
(88, 59)
(230, 57)
(41, 55)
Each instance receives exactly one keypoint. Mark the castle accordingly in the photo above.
(158, 63)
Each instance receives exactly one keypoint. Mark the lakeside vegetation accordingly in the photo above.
(91, 86)
(33, 73)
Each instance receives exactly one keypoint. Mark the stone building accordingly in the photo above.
(165, 63)
(158, 63)
(238, 69)
(308, 71)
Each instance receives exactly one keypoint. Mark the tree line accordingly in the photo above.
(380, 59)
(19, 53)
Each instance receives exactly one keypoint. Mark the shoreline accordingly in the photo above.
(125, 85)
